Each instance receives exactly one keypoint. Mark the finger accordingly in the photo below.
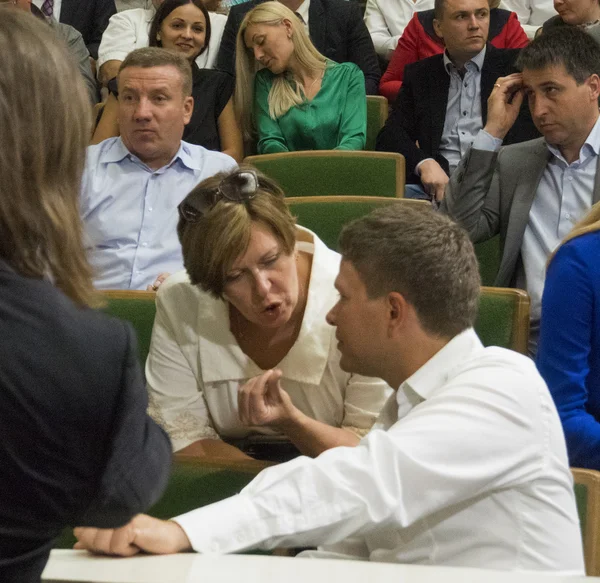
(439, 192)
(85, 537)
(101, 542)
(273, 386)
(258, 399)
(121, 542)
(244, 396)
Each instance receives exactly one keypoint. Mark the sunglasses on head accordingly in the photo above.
(237, 187)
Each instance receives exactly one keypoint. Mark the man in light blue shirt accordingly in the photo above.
(533, 193)
(132, 184)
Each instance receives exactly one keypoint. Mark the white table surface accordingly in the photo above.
(65, 565)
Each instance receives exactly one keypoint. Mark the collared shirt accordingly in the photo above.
(473, 473)
(563, 197)
(196, 366)
(303, 11)
(129, 30)
(463, 110)
(55, 10)
(130, 211)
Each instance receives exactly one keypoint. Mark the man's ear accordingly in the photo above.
(437, 28)
(594, 85)
(397, 310)
(188, 108)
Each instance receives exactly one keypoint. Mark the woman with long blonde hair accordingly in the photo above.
(76, 445)
(569, 347)
(288, 95)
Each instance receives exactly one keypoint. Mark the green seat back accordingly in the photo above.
(321, 175)
(328, 219)
(497, 319)
(489, 256)
(190, 486)
(140, 313)
(581, 497)
(376, 115)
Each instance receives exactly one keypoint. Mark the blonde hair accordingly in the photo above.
(211, 244)
(589, 224)
(45, 123)
(285, 92)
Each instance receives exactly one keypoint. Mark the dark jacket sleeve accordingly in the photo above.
(399, 133)
(104, 9)
(138, 455)
(361, 50)
(226, 55)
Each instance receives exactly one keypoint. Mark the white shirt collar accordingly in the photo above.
(303, 11)
(590, 146)
(437, 370)
(477, 60)
(222, 358)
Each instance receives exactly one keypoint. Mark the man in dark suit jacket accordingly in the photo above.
(336, 28)
(445, 86)
(89, 17)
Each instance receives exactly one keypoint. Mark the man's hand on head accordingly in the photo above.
(143, 533)
(504, 104)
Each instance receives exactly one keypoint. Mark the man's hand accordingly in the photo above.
(262, 401)
(143, 533)
(434, 179)
(504, 104)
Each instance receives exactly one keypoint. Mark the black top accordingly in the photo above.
(211, 90)
(76, 445)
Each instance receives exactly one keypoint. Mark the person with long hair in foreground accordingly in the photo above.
(76, 445)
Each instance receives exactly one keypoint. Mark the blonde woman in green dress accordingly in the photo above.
(288, 95)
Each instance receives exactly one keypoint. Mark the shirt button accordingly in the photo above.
(465, 85)
(149, 209)
(568, 215)
(464, 113)
(144, 244)
(570, 178)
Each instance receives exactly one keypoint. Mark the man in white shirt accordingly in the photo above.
(467, 465)
(132, 184)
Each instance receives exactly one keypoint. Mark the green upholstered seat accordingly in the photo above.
(489, 256)
(503, 318)
(138, 308)
(329, 172)
(377, 113)
(587, 496)
(326, 215)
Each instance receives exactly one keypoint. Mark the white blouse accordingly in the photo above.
(195, 365)
(128, 30)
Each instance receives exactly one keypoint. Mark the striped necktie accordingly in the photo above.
(48, 7)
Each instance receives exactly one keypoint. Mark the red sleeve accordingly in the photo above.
(512, 35)
(406, 52)
(414, 44)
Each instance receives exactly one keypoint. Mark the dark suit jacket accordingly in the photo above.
(420, 110)
(336, 29)
(90, 18)
(76, 445)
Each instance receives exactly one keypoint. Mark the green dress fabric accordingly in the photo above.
(335, 119)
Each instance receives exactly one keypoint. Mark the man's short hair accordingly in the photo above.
(569, 46)
(424, 256)
(149, 57)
